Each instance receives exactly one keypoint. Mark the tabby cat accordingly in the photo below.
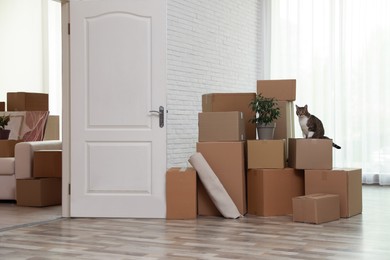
(311, 126)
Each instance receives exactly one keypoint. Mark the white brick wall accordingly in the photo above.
(213, 46)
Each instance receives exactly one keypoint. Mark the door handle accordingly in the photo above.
(160, 113)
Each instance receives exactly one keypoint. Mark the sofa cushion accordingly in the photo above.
(7, 166)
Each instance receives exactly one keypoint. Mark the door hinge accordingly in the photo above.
(69, 188)
(68, 28)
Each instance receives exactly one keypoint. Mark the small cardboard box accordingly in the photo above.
(283, 90)
(38, 192)
(316, 208)
(224, 102)
(7, 148)
(181, 193)
(310, 153)
(24, 101)
(270, 191)
(268, 154)
(2, 106)
(221, 126)
(227, 160)
(347, 183)
(47, 163)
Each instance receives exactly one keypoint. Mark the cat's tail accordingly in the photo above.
(333, 144)
(336, 146)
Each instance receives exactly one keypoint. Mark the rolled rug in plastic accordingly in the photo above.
(214, 187)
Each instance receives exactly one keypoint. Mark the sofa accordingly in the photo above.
(21, 165)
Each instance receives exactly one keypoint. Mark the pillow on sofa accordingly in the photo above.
(15, 125)
(34, 125)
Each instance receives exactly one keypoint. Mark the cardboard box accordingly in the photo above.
(221, 126)
(47, 163)
(316, 208)
(38, 192)
(347, 183)
(268, 154)
(285, 127)
(7, 148)
(283, 90)
(270, 191)
(24, 101)
(2, 106)
(310, 153)
(223, 102)
(181, 193)
(227, 160)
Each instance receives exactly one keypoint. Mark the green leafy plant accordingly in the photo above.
(4, 119)
(266, 110)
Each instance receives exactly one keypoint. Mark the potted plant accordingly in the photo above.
(4, 133)
(266, 112)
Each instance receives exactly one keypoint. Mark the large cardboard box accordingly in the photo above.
(2, 106)
(227, 160)
(223, 102)
(268, 154)
(347, 183)
(181, 193)
(24, 101)
(7, 148)
(270, 191)
(316, 208)
(38, 192)
(221, 126)
(284, 89)
(47, 163)
(310, 153)
(285, 127)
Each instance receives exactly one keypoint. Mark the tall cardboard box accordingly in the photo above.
(181, 193)
(7, 148)
(38, 192)
(24, 101)
(309, 154)
(222, 102)
(316, 208)
(268, 154)
(282, 89)
(221, 126)
(270, 191)
(285, 127)
(47, 163)
(347, 183)
(227, 161)
(2, 106)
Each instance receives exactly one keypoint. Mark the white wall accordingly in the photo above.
(213, 46)
(26, 30)
(20, 46)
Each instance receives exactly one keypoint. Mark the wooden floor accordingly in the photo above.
(366, 236)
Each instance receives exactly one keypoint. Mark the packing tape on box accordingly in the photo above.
(214, 187)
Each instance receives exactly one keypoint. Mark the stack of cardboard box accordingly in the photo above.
(44, 188)
(223, 129)
(276, 177)
(272, 185)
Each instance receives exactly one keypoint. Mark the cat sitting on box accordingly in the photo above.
(311, 126)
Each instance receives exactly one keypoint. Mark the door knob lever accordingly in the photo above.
(160, 113)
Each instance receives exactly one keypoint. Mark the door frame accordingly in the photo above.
(65, 109)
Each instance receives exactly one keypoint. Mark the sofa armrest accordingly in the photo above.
(24, 155)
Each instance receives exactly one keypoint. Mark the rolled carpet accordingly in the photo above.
(214, 187)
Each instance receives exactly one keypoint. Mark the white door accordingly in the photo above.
(118, 75)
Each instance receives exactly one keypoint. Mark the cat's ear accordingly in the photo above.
(296, 106)
(306, 106)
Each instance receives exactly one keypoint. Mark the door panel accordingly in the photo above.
(118, 75)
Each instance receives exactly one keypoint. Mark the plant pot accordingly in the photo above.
(266, 131)
(4, 134)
